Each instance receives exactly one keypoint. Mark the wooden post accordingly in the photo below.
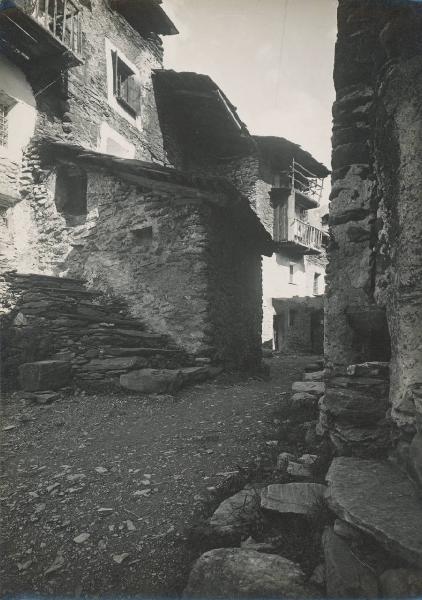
(72, 29)
(46, 13)
(64, 19)
(55, 18)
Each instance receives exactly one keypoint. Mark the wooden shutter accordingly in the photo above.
(134, 94)
(114, 61)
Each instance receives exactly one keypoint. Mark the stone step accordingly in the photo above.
(381, 501)
(317, 388)
(164, 381)
(137, 351)
(370, 369)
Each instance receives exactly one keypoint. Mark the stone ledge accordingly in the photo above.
(379, 500)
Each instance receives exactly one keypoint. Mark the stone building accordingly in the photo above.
(287, 200)
(89, 191)
(374, 274)
(203, 133)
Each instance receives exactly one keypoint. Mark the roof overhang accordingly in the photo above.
(145, 16)
(191, 187)
(278, 153)
(204, 114)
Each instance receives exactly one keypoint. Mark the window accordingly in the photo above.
(70, 194)
(126, 88)
(316, 284)
(292, 317)
(291, 273)
(142, 236)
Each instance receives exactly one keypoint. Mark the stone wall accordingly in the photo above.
(234, 291)
(57, 318)
(374, 271)
(76, 105)
(301, 321)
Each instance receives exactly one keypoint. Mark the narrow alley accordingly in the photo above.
(131, 476)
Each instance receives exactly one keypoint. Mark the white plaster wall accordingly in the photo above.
(23, 115)
(275, 282)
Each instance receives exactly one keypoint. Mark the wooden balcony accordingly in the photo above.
(306, 186)
(46, 32)
(300, 238)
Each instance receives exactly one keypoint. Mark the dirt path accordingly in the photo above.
(131, 474)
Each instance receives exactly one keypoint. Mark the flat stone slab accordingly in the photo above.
(310, 387)
(237, 511)
(314, 376)
(44, 375)
(152, 381)
(298, 498)
(380, 500)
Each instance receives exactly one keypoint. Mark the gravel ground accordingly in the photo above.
(98, 493)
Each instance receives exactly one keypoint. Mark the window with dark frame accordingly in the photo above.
(316, 284)
(291, 273)
(126, 88)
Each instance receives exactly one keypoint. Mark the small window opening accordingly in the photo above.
(143, 236)
(316, 291)
(291, 273)
(126, 88)
(70, 194)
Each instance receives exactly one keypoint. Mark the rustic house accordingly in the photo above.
(89, 193)
(202, 132)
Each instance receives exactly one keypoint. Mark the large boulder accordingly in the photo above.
(44, 375)
(298, 498)
(401, 583)
(242, 573)
(346, 576)
(153, 381)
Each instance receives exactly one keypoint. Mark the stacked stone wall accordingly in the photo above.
(234, 292)
(374, 271)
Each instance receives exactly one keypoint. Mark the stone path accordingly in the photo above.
(98, 492)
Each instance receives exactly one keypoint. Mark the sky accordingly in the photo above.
(272, 58)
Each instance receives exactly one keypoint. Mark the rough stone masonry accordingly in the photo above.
(374, 291)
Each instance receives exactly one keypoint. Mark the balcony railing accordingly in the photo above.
(305, 182)
(43, 28)
(307, 235)
(306, 185)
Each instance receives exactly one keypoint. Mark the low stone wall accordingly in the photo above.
(46, 317)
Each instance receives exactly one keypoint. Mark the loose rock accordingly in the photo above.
(298, 498)
(237, 573)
